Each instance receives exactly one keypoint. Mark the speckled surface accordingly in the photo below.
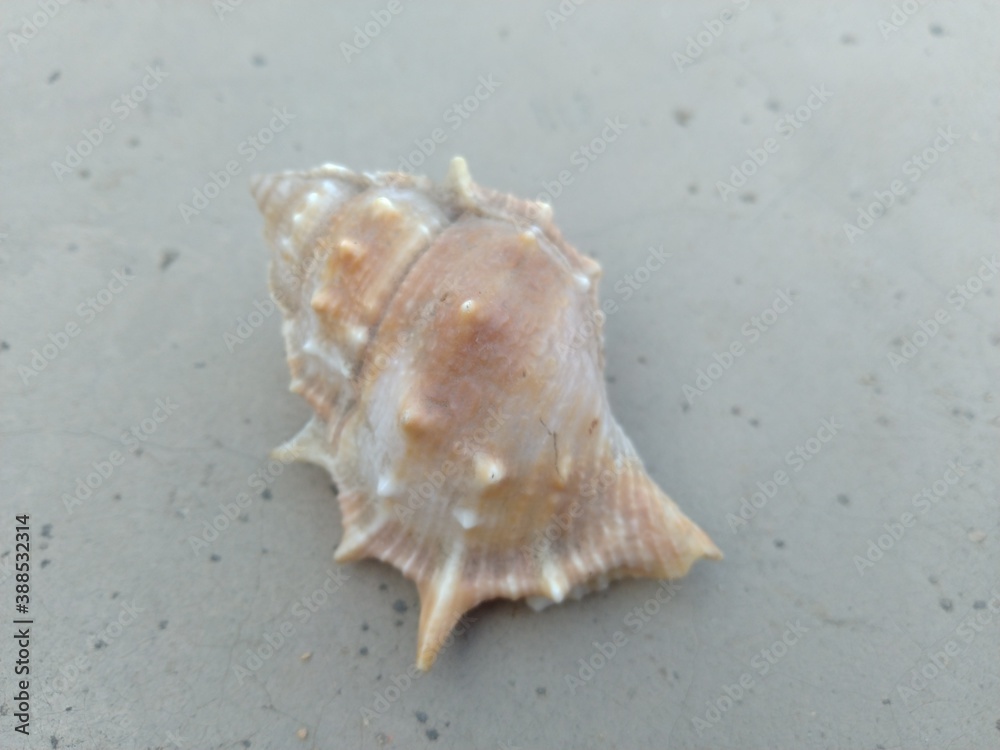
(858, 606)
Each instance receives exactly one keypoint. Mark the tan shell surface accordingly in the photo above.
(450, 343)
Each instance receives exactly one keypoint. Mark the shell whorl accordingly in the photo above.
(435, 330)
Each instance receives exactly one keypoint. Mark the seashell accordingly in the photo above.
(450, 343)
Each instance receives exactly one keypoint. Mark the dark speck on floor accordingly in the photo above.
(364, 626)
(754, 423)
(936, 29)
(4, 345)
(736, 411)
(421, 716)
(399, 623)
(946, 605)
(432, 734)
(363, 651)
(383, 586)
(47, 530)
(54, 741)
(214, 558)
(52, 79)
(843, 499)
(266, 494)
(163, 624)
(259, 60)
(979, 604)
(168, 256)
(779, 543)
(99, 644)
(45, 562)
(749, 197)
(400, 606)
(886, 702)
(246, 743)
(540, 690)
(682, 116)
(848, 39)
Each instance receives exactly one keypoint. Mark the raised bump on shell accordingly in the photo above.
(466, 517)
(489, 470)
(358, 335)
(350, 249)
(565, 466)
(413, 418)
(384, 206)
(543, 210)
(386, 485)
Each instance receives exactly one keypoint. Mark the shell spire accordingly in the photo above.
(449, 341)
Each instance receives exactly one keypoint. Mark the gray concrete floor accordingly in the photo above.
(851, 611)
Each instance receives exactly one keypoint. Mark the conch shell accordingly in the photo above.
(450, 342)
